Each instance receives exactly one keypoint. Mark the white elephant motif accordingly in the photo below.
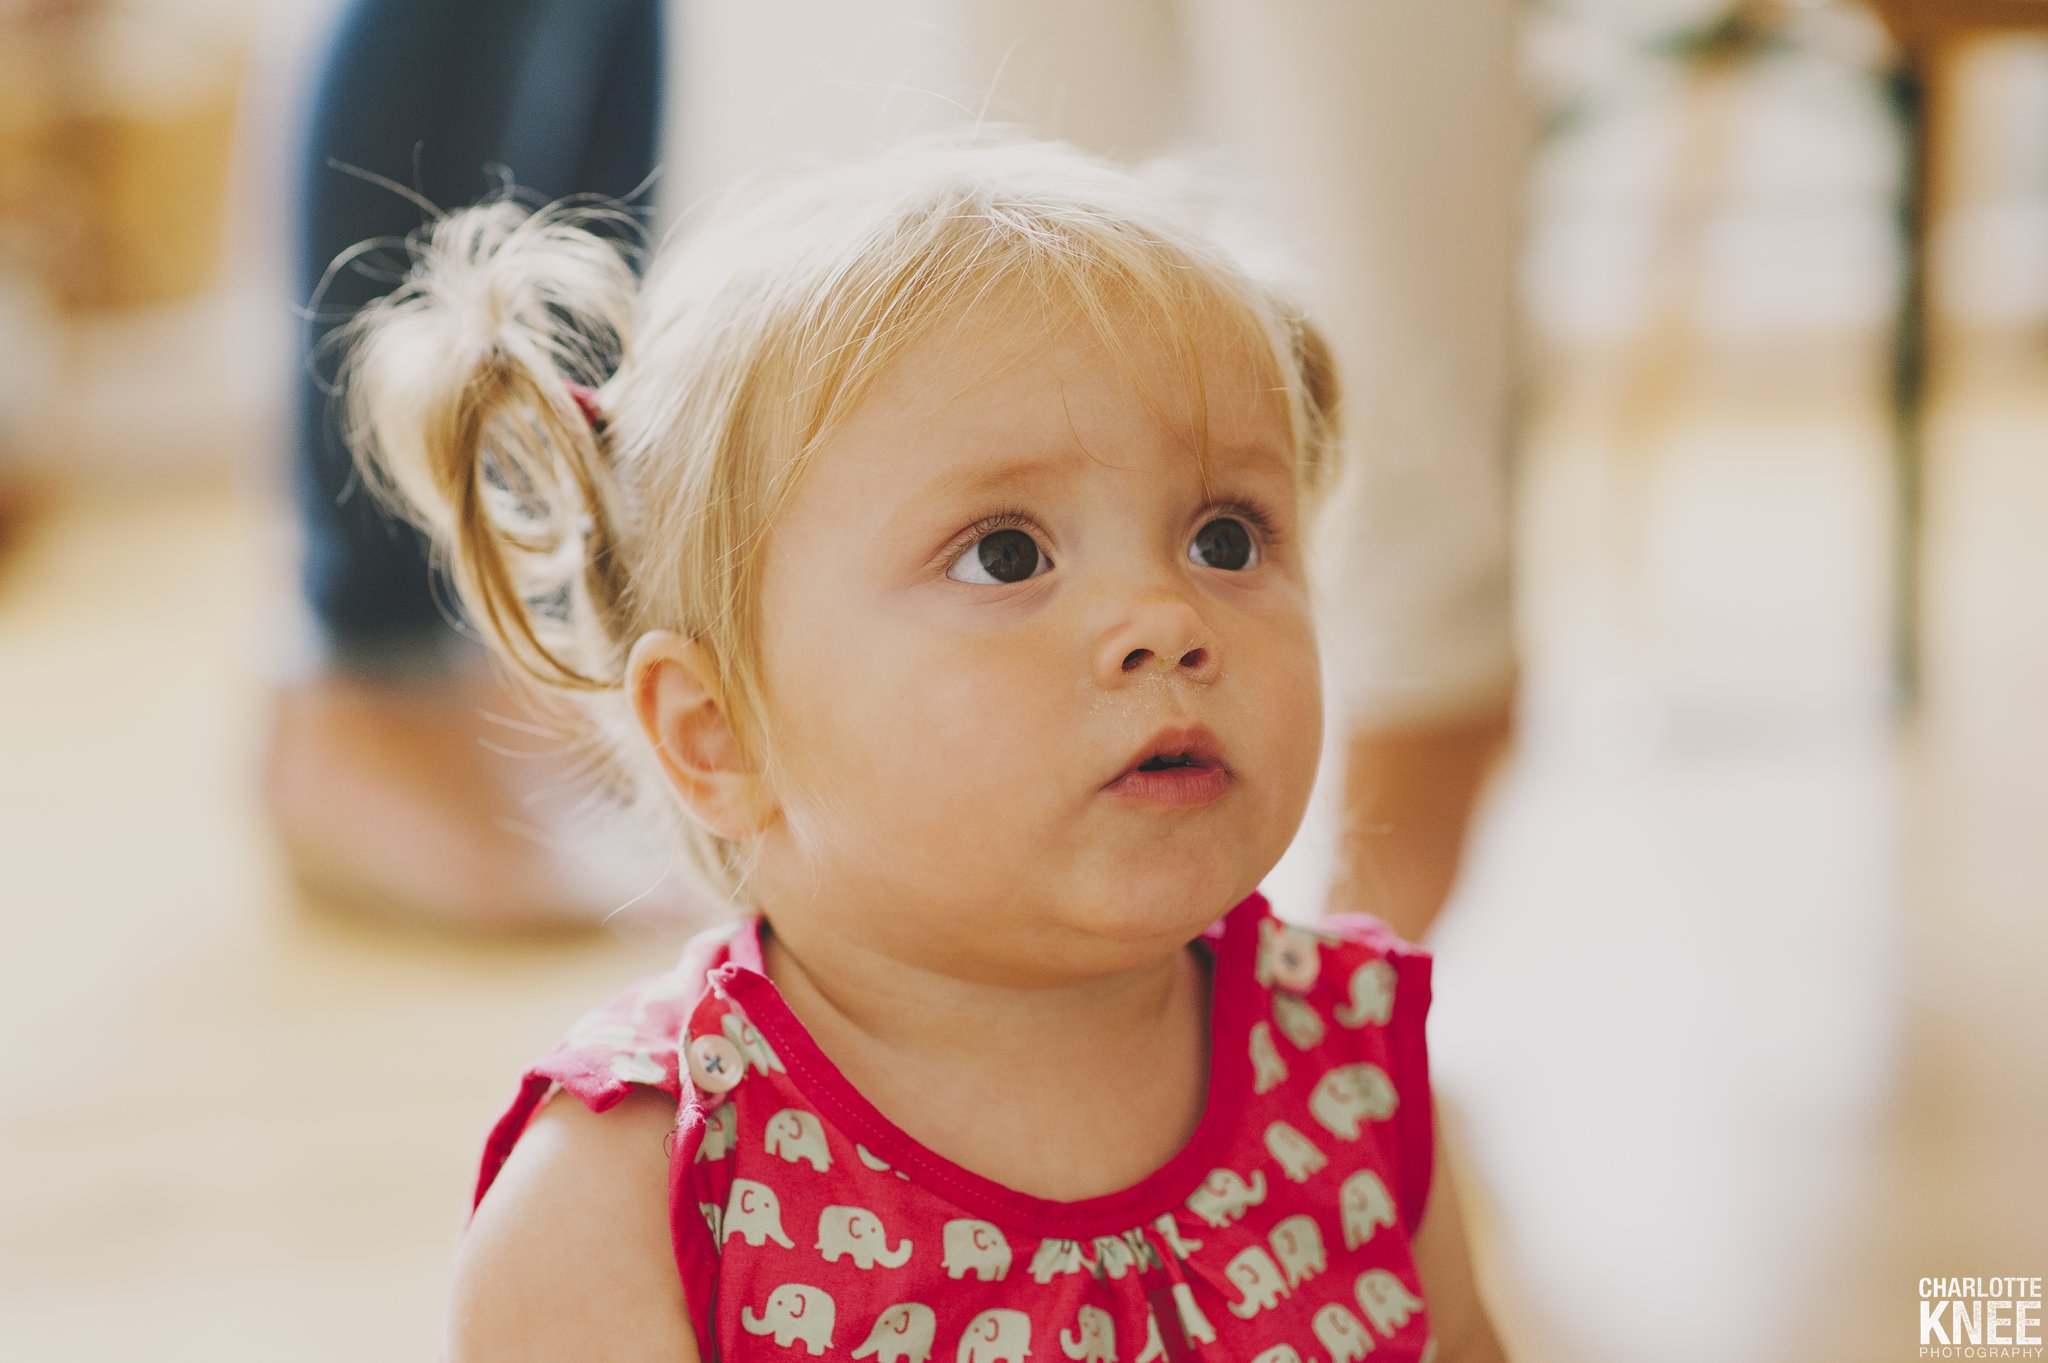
(796, 1313)
(1116, 1255)
(1365, 1206)
(747, 1037)
(1297, 1020)
(1055, 1257)
(996, 1336)
(1349, 1095)
(1155, 1347)
(638, 1068)
(1094, 1338)
(1269, 1071)
(976, 1247)
(876, 1162)
(1372, 996)
(1169, 1231)
(1298, 1244)
(1256, 1275)
(1346, 1339)
(1192, 1321)
(1224, 1196)
(720, 1133)
(1385, 1301)
(1299, 1159)
(1279, 1353)
(754, 1212)
(857, 1233)
(1288, 957)
(902, 1334)
(714, 1217)
(797, 1135)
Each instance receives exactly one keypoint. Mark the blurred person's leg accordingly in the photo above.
(379, 776)
(1388, 139)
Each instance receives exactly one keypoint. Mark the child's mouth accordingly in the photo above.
(1182, 767)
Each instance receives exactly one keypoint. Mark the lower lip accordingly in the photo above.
(1182, 787)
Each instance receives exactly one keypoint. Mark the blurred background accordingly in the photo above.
(1740, 1026)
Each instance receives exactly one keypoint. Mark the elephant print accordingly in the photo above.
(1155, 1347)
(1093, 1339)
(1269, 1071)
(1116, 1255)
(902, 1334)
(754, 1212)
(1346, 1097)
(1258, 1278)
(876, 1162)
(976, 1247)
(1224, 1196)
(1055, 1257)
(1169, 1231)
(857, 1233)
(1279, 1353)
(797, 1135)
(796, 1313)
(748, 1039)
(1288, 957)
(1299, 1159)
(714, 1217)
(996, 1336)
(1192, 1321)
(720, 1133)
(1298, 1021)
(1385, 1302)
(1342, 1335)
(1298, 1244)
(638, 1068)
(1365, 1206)
(1372, 996)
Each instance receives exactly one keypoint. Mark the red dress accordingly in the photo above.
(806, 1224)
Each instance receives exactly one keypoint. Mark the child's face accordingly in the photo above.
(998, 582)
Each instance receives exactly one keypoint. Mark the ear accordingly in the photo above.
(673, 685)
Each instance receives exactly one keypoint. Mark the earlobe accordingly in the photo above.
(672, 683)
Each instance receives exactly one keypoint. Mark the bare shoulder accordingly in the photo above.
(568, 1256)
(1443, 1259)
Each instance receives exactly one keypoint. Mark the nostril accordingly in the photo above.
(1194, 657)
(1136, 658)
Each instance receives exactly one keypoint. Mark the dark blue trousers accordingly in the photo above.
(448, 98)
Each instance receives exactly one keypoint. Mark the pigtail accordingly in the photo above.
(465, 413)
(1322, 431)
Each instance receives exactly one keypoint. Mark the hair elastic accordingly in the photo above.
(586, 403)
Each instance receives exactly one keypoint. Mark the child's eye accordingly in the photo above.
(999, 558)
(1224, 543)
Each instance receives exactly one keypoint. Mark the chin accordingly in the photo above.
(1171, 904)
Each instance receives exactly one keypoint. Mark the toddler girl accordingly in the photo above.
(940, 525)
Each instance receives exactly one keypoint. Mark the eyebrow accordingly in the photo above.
(978, 477)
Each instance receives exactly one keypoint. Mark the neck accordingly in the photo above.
(985, 1074)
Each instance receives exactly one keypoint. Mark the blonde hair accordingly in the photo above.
(569, 539)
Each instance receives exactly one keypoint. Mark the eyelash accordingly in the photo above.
(1251, 513)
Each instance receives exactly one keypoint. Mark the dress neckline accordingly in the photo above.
(1231, 941)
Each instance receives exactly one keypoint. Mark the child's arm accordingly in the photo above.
(568, 1257)
(1464, 1332)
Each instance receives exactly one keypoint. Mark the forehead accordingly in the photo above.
(1014, 389)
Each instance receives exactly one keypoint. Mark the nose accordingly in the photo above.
(1158, 632)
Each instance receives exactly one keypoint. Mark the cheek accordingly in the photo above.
(890, 724)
